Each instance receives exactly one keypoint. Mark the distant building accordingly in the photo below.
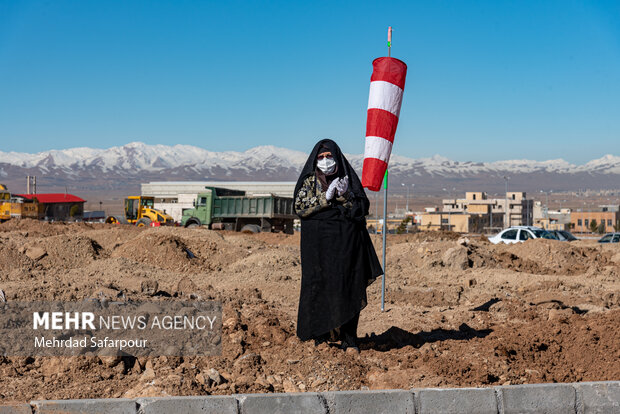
(609, 216)
(550, 223)
(459, 222)
(551, 219)
(171, 189)
(518, 208)
(174, 206)
(54, 206)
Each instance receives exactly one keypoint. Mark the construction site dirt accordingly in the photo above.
(459, 311)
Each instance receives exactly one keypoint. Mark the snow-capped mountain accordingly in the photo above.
(138, 162)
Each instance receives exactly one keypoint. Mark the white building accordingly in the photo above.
(167, 189)
(175, 206)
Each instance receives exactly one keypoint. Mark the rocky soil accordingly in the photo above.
(459, 312)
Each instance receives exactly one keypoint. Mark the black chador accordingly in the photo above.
(338, 260)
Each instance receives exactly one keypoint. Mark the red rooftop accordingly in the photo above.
(50, 198)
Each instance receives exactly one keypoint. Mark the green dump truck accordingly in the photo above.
(224, 209)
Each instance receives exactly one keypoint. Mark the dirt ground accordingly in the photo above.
(459, 312)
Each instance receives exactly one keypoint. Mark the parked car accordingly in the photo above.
(610, 238)
(563, 235)
(519, 234)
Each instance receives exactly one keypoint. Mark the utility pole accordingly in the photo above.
(407, 205)
(507, 218)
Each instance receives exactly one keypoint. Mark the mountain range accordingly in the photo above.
(123, 168)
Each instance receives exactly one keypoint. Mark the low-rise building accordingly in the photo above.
(174, 206)
(52, 206)
(551, 219)
(607, 216)
(459, 222)
(513, 210)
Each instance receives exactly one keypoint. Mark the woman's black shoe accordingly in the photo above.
(349, 342)
(319, 341)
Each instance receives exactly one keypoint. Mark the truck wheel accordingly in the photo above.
(250, 228)
(143, 222)
(192, 225)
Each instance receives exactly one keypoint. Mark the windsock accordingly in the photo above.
(386, 95)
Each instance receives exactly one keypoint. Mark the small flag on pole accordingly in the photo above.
(387, 84)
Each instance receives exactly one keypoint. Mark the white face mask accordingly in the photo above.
(327, 165)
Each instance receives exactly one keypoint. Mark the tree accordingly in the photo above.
(617, 226)
(403, 226)
(593, 226)
(601, 227)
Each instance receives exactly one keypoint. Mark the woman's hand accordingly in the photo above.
(343, 185)
(331, 190)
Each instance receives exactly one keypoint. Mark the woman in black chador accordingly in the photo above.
(338, 260)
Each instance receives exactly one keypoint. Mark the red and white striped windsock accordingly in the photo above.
(386, 95)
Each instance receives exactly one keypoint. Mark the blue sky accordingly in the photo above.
(487, 80)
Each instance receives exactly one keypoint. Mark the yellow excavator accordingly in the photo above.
(5, 203)
(139, 210)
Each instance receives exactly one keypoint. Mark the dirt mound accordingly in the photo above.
(112, 236)
(279, 239)
(561, 257)
(276, 264)
(161, 250)
(541, 256)
(183, 250)
(36, 228)
(57, 252)
(545, 257)
(423, 236)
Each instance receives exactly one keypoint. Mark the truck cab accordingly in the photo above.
(200, 215)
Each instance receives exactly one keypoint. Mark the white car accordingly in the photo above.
(519, 234)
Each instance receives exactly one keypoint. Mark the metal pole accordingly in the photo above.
(407, 207)
(507, 214)
(450, 212)
(376, 215)
(385, 189)
(507, 218)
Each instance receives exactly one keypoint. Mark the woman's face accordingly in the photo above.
(325, 162)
